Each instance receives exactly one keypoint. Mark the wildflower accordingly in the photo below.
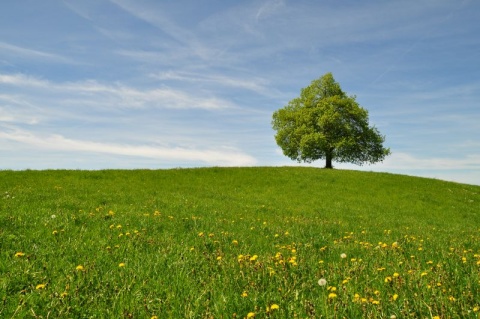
(451, 298)
(19, 254)
(64, 294)
(80, 268)
(121, 265)
(54, 232)
(423, 274)
(332, 295)
(154, 317)
(332, 288)
(200, 234)
(40, 286)
(219, 258)
(274, 307)
(393, 317)
(375, 302)
(253, 258)
(235, 242)
(396, 274)
(244, 294)
(322, 281)
(343, 256)
(436, 317)
(394, 297)
(251, 315)
(388, 279)
(53, 216)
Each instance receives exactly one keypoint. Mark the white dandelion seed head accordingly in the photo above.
(322, 281)
(343, 255)
(53, 216)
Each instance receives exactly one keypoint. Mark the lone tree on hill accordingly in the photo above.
(323, 122)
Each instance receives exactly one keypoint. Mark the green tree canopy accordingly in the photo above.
(325, 123)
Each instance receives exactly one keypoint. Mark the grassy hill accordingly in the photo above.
(237, 242)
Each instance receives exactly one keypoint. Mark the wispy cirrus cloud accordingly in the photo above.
(117, 95)
(225, 156)
(32, 53)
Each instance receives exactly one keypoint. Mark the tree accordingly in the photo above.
(325, 123)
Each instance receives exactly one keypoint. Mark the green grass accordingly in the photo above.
(232, 242)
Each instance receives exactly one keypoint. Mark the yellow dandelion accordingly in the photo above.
(121, 265)
(19, 254)
(80, 268)
(394, 297)
(55, 232)
(64, 294)
(253, 258)
(332, 295)
(274, 307)
(396, 274)
(153, 317)
(235, 242)
(388, 279)
(436, 317)
(251, 315)
(40, 286)
(219, 258)
(375, 302)
(244, 294)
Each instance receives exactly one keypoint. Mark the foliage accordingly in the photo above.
(326, 123)
(237, 242)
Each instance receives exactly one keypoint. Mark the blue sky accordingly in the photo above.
(97, 84)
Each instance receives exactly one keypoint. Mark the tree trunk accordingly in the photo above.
(328, 162)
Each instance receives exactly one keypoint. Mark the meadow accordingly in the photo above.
(285, 242)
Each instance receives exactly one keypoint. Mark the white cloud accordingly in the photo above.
(118, 95)
(220, 156)
(33, 54)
